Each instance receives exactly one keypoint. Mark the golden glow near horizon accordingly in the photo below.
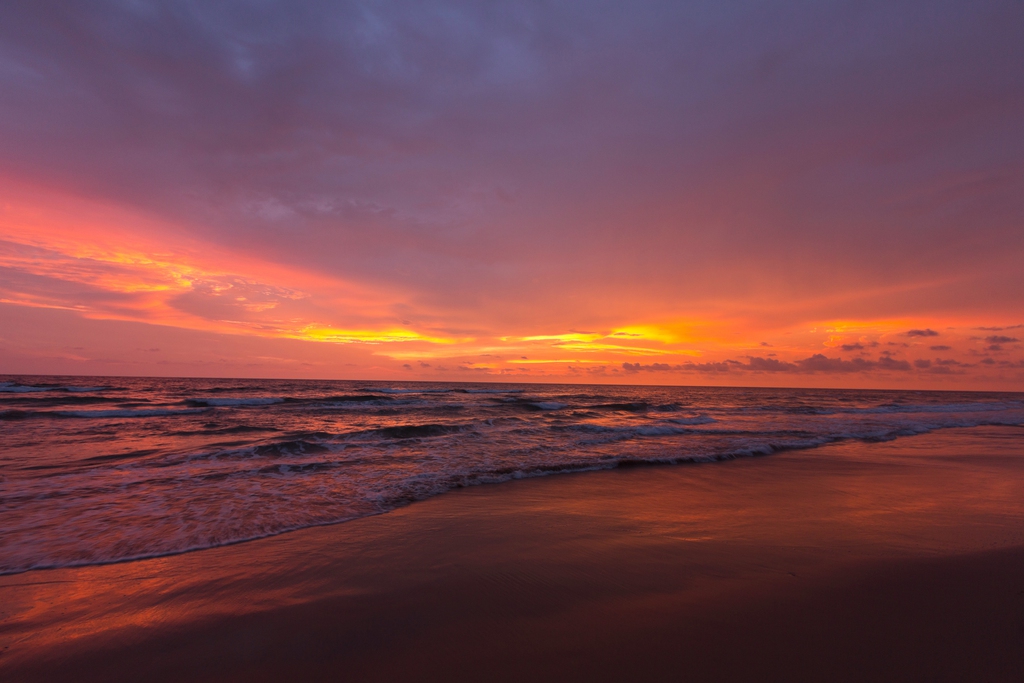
(95, 266)
(336, 336)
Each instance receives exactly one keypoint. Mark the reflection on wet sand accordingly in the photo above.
(553, 549)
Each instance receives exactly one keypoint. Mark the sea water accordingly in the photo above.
(96, 470)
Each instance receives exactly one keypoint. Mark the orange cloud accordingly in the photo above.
(107, 263)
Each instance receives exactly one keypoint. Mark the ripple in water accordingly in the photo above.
(100, 470)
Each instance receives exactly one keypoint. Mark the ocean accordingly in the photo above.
(96, 469)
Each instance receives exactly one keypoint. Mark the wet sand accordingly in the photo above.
(898, 561)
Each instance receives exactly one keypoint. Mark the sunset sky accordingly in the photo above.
(746, 193)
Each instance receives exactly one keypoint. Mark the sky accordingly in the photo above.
(823, 194)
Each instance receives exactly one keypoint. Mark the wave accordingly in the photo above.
(15, 388)
(542, 405)
(416, 431)
(220, 390)
(233, 402)
(341, 398)
(217, 429)
(696, 420)
(973, 407)
(639, 407)
(130, 455)
(400, 390)
(321, 442)
(490, 391)
(313, 401)
(293, 447)
(49, 401)
(153, 412)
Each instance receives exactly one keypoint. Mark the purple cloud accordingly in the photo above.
(818, 363)
(770, 365)
(434, 147)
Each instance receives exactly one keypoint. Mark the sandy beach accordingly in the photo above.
(899, 561)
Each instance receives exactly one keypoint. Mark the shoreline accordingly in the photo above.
(599, 575)
(625, 463)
